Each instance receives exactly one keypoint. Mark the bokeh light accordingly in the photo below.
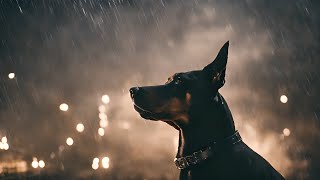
(35, 163)
(284, 99)
(1, 145)
(5, 146)
(80, 127)
(69, 141)
(105, 99)
(41, 164)
(64, 107)
(95, 166)
(103, 116)
(105, 162)
(103, 123)
(106, 165)
(102, 109)
(4, 139)
(52, 155)
(286, 132)
(105, 159)
(11, 75)
(95, 160)
(101, 131)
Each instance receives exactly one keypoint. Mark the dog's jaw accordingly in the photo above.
(144, 113)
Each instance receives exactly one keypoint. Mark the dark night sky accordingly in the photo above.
(76, 51)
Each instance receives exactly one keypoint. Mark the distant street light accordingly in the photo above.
(105, 99)
(95, 166)
(95, 160)
(284, 99)
(64, 107)
(286, 132)
(105, 162)
(101, 131)
(102, 109)
(80, 127)
(103, 123)
(69, 141)
(35, 163)
(5, 146)
(11, 75)
(41, 164)
(4, 139)
(103, 116)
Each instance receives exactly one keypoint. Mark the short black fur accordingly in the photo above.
(191, 103)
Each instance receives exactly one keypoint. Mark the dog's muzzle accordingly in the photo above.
(200, 156)
(143, 112)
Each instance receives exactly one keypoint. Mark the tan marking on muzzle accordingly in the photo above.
(188, 98)
(178, 108)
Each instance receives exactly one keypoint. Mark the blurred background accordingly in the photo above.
(66, 67)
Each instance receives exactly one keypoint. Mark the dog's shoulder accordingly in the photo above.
(251, 163)
(238, 162)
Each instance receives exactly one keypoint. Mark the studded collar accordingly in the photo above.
(200, 156)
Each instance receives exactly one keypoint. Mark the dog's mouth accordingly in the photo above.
(145, 113)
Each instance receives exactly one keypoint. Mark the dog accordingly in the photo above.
(209, 145)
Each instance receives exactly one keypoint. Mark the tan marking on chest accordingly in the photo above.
(188, 98)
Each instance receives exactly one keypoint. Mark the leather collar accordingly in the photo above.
(200, 156)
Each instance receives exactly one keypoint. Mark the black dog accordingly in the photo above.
(209, 145)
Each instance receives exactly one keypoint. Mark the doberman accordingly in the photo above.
(209, 145)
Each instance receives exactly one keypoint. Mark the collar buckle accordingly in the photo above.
(181, 163)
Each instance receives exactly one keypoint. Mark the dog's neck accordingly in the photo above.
(215, 124)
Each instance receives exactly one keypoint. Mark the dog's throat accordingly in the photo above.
(211, 123)
(192, 138)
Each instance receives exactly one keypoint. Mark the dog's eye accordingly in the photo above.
(178, 81)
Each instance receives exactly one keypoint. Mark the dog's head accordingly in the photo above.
(184, 94)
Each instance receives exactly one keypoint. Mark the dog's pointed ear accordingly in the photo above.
(216, 70)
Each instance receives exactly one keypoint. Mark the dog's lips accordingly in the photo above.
(144, 113)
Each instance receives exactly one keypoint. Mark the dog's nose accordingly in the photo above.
(134, 91)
